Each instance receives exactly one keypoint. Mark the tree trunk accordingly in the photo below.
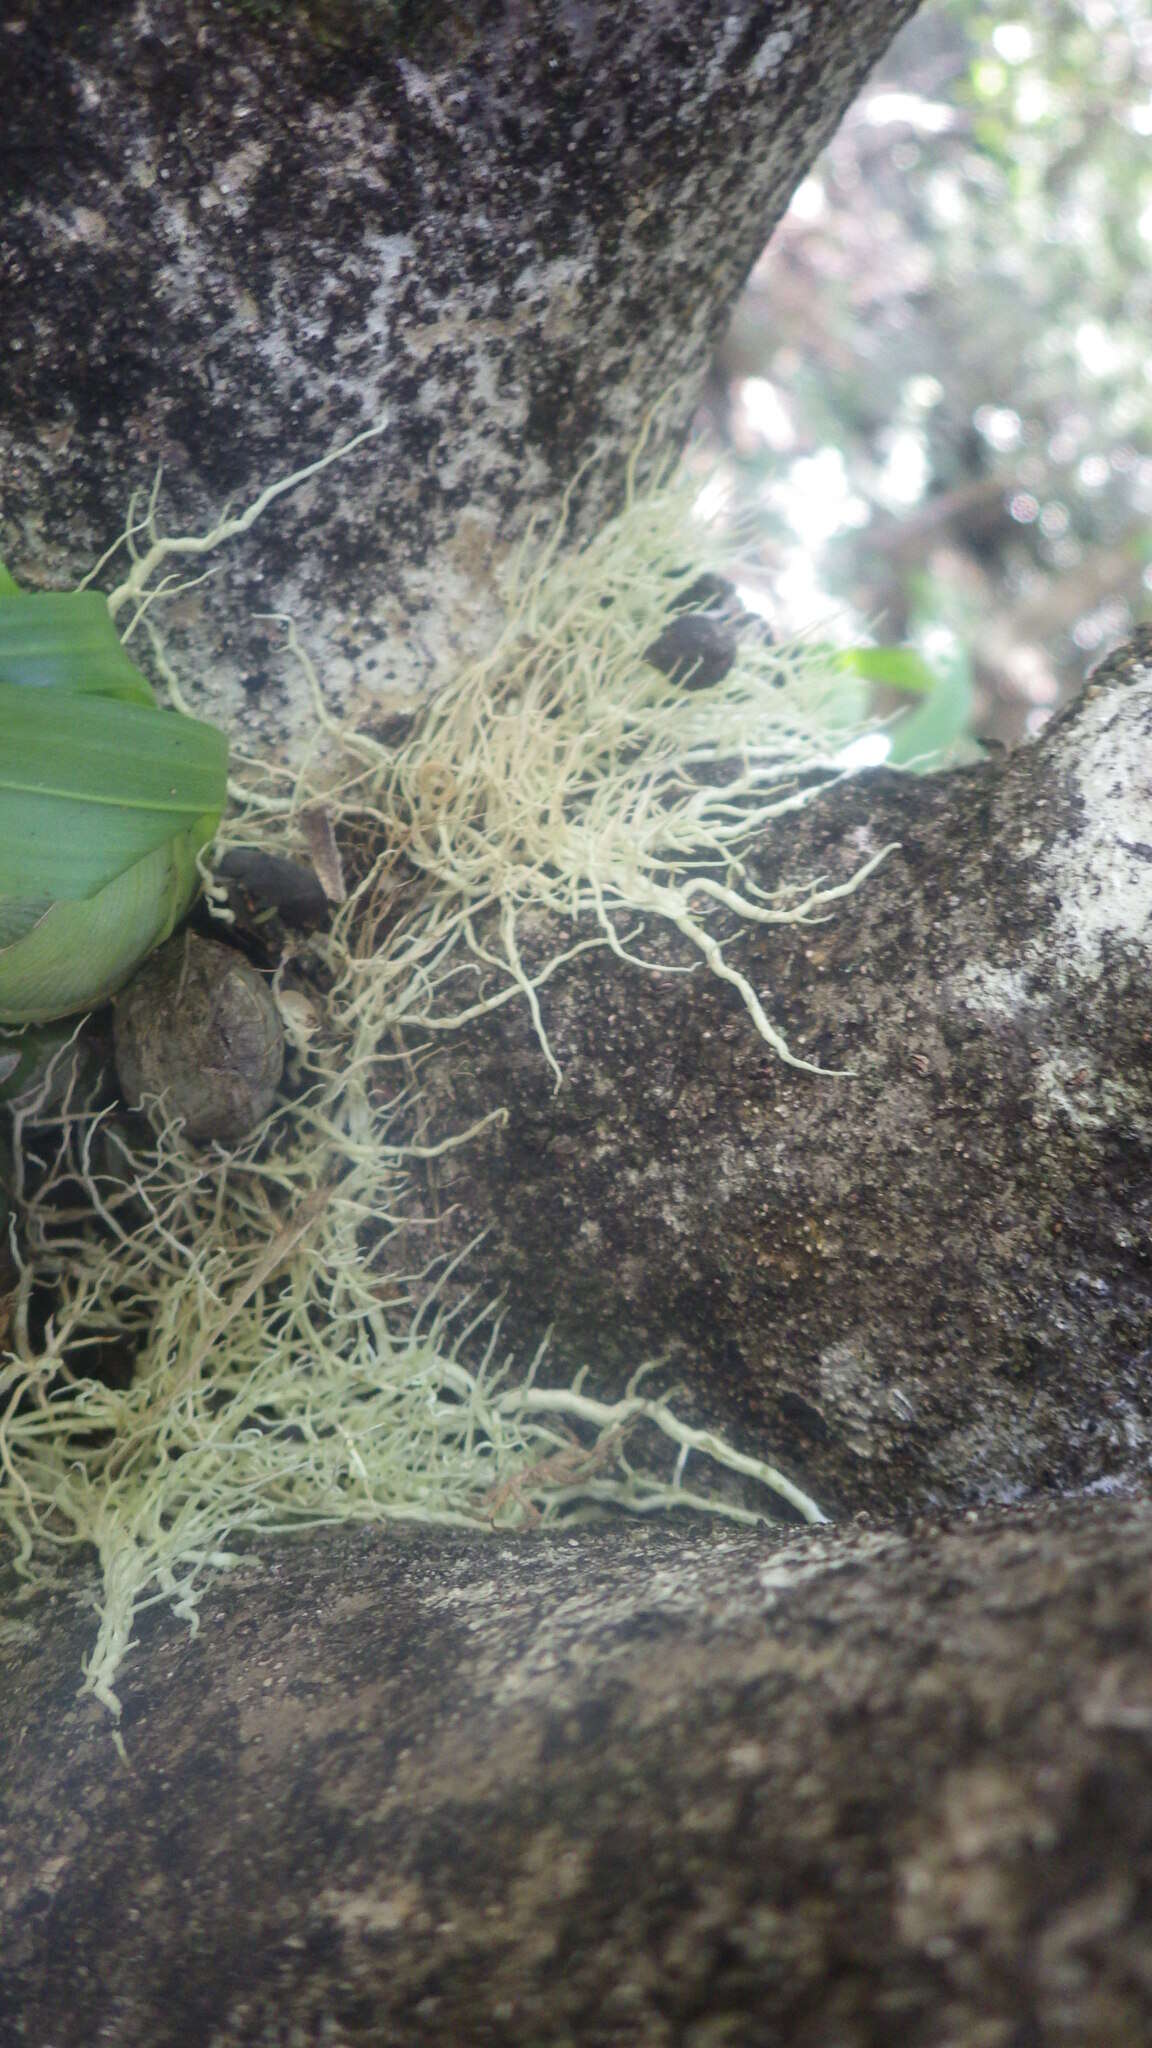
(236, 234)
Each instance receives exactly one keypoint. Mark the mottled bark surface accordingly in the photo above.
(928, 1283)
(236, 231)
(650, 1787)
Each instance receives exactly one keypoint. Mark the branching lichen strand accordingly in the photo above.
(295, 1358)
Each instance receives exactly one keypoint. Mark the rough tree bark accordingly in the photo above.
(239, 231)
(640, 1786)
(649, 1787)
(927, 1283)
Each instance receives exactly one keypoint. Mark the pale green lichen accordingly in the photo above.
(293, 1362)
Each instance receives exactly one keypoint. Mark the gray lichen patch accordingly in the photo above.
(1100, 864)
(1085, 857)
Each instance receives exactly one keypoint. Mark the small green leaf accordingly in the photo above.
(897, 668)
(931, 735)
(79, 954)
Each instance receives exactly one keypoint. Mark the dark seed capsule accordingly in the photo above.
(286, 886)
(198, 1029)
(695, 650)
(709, 593)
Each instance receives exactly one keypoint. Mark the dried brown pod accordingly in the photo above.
(695, 651)
(198, 1030)
(265, 898)
(322, 845)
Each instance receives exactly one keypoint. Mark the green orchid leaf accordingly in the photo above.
(65, 640)
(105, 803)
(85, 797)
(937, 733)
(79, 954)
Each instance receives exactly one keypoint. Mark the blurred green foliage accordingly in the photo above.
(934, 407)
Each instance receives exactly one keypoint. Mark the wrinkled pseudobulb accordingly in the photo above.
(198, 1031)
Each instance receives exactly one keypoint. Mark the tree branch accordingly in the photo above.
(637, 1787)
(931, 1281)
